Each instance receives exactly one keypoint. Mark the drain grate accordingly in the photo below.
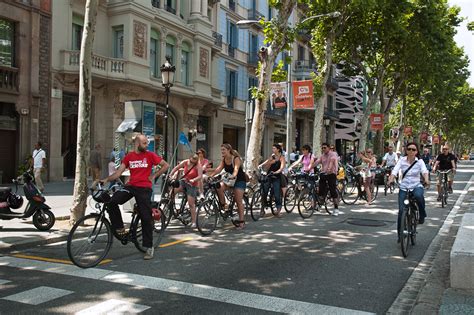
(366, 222)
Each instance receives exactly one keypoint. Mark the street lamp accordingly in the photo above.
(332, 14)
(327, 122)
(167, 79)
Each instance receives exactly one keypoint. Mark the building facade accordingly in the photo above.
(25, 54)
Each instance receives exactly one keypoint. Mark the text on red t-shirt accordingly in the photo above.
(140, 165)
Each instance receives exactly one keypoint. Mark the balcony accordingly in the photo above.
(252, 59)
(330, 113)
(305, 66)
(155, 3)
(9, 79)
(102, 66)
(217, 40)
(332, 84)
(232, 5)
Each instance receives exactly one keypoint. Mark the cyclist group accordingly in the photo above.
(141, 162)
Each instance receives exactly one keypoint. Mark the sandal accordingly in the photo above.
(241, 225)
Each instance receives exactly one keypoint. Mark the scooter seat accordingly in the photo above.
(4, 190)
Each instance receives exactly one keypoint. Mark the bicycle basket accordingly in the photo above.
(101, 196)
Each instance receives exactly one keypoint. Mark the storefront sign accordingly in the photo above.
(278, 95)
(376, 122)
(303, 97)
(148, 124)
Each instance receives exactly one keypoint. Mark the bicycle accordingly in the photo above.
(388, 187)
(169, 206)
(91, 237)
(409, 220)
(293, 193)
(354, 191)
(210, 209)
(259, 201)
(308, 200)
(444, 187)
(328, 201)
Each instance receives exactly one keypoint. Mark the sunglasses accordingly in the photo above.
(411, 149)
(324, 148)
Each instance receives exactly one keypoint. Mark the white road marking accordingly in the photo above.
(37, 295)
(114, 307)
(4, 281)
(244, 299)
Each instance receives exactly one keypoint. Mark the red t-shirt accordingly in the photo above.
(140, 165)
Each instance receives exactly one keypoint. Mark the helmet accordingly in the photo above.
(15, 201)
(101, 196)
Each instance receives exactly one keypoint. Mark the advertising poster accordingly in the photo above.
(278, 95)
(303, 97)
(376, 122)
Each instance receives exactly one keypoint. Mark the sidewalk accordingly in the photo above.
(20, 233)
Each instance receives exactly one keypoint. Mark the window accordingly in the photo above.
(118, 41)
(170, 45)
(170, 6)
(154, 54)
(270, 13)
(231, 87)
(253, 82)
(232, 37)
(7, 43)
(77, 27)
(185, 63)
(301, 53)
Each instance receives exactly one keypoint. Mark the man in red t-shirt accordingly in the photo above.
(140, 162)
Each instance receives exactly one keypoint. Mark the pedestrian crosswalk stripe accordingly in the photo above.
(4, 281)
(243, 299)
(37, 295)
(114, 307)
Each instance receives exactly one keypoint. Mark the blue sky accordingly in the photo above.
(464, 38)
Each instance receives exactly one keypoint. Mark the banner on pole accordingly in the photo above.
(376, 122)
(278, 95)
(303, 97)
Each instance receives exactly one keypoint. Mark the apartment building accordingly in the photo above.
(25, 40)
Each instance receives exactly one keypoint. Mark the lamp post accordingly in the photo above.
(167, 79)
(327, 122)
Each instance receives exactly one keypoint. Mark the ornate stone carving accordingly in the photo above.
(203, 62)
(139, 39)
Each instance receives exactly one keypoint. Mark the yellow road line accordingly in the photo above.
(54, 260)
(177, 242)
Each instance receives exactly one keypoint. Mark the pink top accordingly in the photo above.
(307, 162)
(325, 160)
(190, 173)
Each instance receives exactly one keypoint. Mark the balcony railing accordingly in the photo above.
(231, 51)
(155, 3)
(332, 84)
(217, 39)
(305, 65)
(331, 114)
(254, 14)
(105, 66)
(170, 9)
(9, 79)
(232, 5)
(253, 59)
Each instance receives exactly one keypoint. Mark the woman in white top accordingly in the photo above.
(368, 162)
(411, 181)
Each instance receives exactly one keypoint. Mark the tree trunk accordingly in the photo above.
(267, 59)
(85, 96)
(321, 103)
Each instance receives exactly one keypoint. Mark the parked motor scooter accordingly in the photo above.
(43, 218)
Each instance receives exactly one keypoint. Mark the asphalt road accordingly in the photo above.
(320, 265)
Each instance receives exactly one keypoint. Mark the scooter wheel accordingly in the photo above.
(43, 220)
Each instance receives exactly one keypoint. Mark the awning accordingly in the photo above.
(128, 124)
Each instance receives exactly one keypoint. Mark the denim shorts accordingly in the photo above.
(188, 189)
(240, 185)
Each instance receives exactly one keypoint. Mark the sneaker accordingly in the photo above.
(450, 190)
(193, 226)
(149, 253)
(335, 212)
(421, 220)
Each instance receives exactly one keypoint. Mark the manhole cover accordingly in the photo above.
(366, 222)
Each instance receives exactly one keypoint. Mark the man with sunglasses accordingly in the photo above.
(411, 168)
(445, 161)
(329, 163)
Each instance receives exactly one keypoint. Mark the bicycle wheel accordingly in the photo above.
(386, 186)
(256, 206)
(158, 232)
(306, 204)
(329, 203)
(89, 241)
(167, 207)
(272, 199)
(374, 190)
(443, 197)
(351, 194)
(404, 233)
(413, 223)
(206, 220)
(289, 202)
